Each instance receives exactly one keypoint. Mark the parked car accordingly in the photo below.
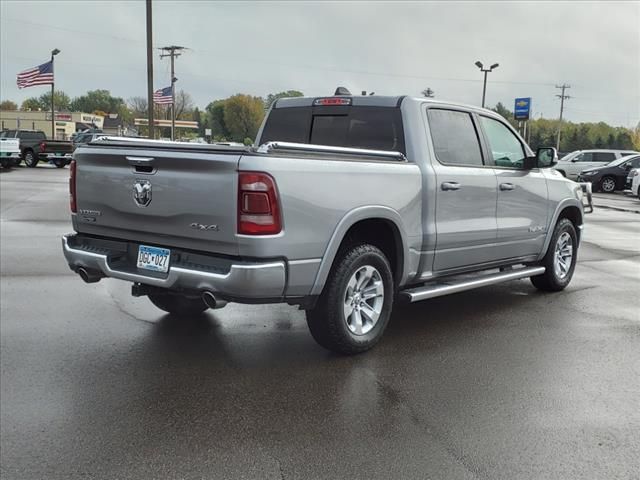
(349, 203)
(9, 151)
(633, 181)
(612, 176)
(572, 164)
(83, 138)
(35, 147)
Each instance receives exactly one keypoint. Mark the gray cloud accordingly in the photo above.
(386, 47)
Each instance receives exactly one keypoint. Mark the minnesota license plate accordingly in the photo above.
(153, 258)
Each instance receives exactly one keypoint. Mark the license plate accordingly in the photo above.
(153, 258)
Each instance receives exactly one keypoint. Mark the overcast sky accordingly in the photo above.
(386, 47)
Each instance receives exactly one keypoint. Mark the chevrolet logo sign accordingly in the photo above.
(522, 103)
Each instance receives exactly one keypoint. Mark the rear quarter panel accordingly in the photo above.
(321, 199)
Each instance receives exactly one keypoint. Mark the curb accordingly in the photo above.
(619, 209)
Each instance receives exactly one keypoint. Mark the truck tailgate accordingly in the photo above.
(160, 197)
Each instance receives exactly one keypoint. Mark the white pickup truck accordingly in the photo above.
(345, 205)
(9, 151)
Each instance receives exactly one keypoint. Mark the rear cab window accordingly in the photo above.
(370, 127)
(455, 138)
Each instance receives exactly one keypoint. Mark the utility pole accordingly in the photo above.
(150, 70)
(562, 98)
(173, 52)
(54, 52)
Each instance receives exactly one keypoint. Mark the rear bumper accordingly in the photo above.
(67, 157)
(240, 280)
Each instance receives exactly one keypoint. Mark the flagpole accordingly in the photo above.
(54, 52)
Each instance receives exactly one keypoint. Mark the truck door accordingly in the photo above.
(522, 194)
(465, 212)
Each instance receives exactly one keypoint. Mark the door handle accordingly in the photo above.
(507, 186)
(140, 161)
(450, 186)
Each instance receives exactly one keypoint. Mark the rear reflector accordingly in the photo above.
(72, 187)
(258, 209)
(331, 101)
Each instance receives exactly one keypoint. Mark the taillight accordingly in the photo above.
(258, 209)
(43, 146)
(331, 101)
(72, 187)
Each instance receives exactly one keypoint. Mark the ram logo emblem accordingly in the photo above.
(142, 192)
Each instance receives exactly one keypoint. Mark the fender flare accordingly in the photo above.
(568, 202)
(373, 212)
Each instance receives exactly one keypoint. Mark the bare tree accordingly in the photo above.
(184, 105)
(138, 106)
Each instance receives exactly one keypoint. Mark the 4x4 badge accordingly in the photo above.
(142, 192)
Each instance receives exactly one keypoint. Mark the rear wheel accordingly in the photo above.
(608, 184)
(30, 159)
(60, 163)
(179, 305)
(354, 308)
(560, 259)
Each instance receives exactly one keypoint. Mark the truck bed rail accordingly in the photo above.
(327, 150)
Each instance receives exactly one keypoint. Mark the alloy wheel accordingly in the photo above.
(363, 300)
(563, 255)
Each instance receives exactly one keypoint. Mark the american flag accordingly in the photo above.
(40, 75)
(163, 96)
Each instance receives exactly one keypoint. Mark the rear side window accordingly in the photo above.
(455, 139)
(604, 156)
(377, 128)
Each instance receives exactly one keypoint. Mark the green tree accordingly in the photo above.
(215, 119)
(500, 109)
(95, 100)
(272, 97)
(8, 105)
(43, 102)
(243, 115)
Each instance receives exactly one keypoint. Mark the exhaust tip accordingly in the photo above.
(211, 301)
(88, 276)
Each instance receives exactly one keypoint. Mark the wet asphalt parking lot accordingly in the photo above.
(498, 383)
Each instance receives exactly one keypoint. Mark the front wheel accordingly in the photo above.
(354, 308)
(179, 305)
(30, 159)
(560, 259)
(608, 184)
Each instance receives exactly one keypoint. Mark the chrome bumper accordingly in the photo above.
(244, 280)
(52, 156)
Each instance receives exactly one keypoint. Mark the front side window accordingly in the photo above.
(454, 136)
(506, 149)
(585, 157)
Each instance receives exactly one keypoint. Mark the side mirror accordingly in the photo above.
(574, 159)
(547, 157)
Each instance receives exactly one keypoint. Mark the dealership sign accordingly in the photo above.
(66, 117)
(522, 108)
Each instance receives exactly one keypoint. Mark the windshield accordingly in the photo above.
(619, 161)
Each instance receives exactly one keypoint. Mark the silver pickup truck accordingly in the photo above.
(345, 205)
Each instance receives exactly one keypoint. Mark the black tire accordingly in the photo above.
(607, 184)
(30, 159)
(550, 280)
(327, 321)
(178, 305)
(60, 163)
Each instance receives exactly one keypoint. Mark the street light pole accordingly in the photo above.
(54, 52)
(485, 71)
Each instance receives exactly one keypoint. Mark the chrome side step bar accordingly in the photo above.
(438, 289)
